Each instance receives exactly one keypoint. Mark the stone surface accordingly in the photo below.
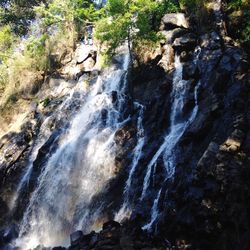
(185, 42)
(76, 238)
(173, 20)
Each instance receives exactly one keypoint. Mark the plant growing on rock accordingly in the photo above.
(239, 20)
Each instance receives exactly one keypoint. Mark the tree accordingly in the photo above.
(18, 13)
(131, 21)
(67, 15)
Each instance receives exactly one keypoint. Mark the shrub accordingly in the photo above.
(239, 19)
(7, 40)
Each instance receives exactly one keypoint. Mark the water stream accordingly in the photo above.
(126, 210)
(79, 168)
(177, 128)
(84, 161)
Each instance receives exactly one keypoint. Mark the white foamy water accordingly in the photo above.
(79, 169)
(125, 210)
(177, 129)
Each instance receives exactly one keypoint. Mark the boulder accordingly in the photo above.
(83, 52)
(87, 65)
(174, 20)
(111, 224)
(169, 36)
(186, 42)
(167, 60)
(184, 56)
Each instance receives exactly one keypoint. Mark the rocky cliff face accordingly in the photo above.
(206, 203)
(196, 196)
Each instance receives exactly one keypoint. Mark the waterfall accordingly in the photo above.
(44, 134)
(80, 167)
(177, 129)
(154, 212)
(125, 210)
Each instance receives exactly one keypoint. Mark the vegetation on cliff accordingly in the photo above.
(36, 35)
(132, 21)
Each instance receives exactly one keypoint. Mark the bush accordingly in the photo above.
(7, 40)
(239, 19)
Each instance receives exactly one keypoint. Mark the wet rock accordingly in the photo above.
(190, 71)
(184, 56)
(111, 224)
(94, 239)
(3, 207)
(8, 247)
(211, 41)
(200, 127)
(114, 96)
(10, 233)
(104, 115)
(173, 20)
(124, 134)
(76, 238)
(212, 150)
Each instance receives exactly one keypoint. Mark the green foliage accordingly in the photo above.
(67, 15)
(189, 4)
(132, 21)
(7, 40)
(18, 13)
(36, 49)
(54, 32)
(239, 13)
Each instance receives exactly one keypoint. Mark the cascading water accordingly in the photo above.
(44, 134)
(79, 168)
(177, 129)
(154, 212)
(125, 209)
